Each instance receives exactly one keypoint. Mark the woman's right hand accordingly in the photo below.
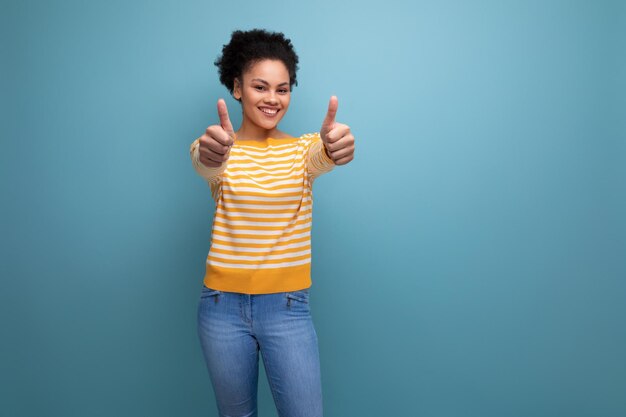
(217, 140)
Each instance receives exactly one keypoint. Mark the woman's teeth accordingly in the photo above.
(268, 111)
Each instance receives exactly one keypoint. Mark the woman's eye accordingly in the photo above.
(260, 87)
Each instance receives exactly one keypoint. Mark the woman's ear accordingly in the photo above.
(237, 89)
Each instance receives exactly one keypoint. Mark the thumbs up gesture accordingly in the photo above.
(337, 138)
(217, 140)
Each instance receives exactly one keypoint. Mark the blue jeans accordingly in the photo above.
(234, 327)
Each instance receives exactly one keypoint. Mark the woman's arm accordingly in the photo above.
(318, 159)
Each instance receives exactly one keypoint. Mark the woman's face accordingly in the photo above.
(265, 93)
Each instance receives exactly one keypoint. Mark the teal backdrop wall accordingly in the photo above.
(470, 261)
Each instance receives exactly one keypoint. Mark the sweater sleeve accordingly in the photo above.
(317, 160)
(210, 174)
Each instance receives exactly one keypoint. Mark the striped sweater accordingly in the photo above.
(261, 233)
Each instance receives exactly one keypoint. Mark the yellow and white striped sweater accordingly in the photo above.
(261, 237)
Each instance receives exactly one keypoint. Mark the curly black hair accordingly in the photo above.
(248, 47)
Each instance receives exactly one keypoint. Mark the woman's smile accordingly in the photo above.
(269, 112)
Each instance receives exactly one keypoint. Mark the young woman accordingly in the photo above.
(255, 296)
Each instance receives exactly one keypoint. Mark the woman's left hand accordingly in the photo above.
(337, 138)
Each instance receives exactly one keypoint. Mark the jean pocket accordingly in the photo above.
(301, 296)
(209, 292)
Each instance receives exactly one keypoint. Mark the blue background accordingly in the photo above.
(470, 261)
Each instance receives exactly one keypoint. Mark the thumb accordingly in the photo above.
(329, 120)
(222, 111)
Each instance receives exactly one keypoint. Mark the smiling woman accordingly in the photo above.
(255, 296)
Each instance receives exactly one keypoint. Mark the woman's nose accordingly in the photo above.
(271, 98)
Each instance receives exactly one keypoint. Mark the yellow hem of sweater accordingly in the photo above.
(261, 281)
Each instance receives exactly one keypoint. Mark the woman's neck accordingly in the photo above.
(262, 134)
(250, 131)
